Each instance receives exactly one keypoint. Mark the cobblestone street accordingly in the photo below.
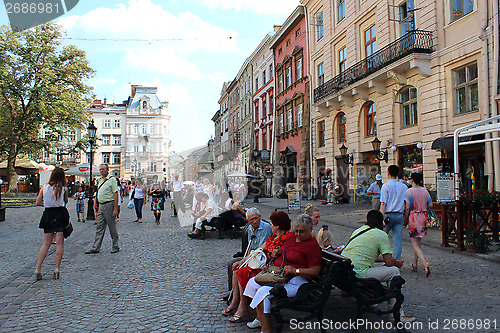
(162, 281)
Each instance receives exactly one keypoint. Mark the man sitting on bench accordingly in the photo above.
(365, 246)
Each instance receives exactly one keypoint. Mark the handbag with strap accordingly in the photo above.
(256, 260)
(273, 275)
(68, 230)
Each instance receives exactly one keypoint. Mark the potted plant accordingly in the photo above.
(476, 240)
(480, 199)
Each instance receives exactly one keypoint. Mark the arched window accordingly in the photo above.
(144, 104)
(408, 100)
(341, 127)
(371, 119)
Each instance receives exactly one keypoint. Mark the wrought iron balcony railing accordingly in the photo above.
(416, 41)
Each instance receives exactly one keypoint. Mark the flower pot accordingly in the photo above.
(472, 248)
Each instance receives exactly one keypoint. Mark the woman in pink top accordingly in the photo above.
(417, 200)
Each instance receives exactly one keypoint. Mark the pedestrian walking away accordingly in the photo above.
(374, 190)
(55, 218)
(392, 204)
(106, 208)
(417, 200)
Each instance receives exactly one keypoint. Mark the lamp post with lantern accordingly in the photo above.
(91, 131)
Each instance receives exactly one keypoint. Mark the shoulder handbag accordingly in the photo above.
(68, 230)
(256, 260)
(272, 275)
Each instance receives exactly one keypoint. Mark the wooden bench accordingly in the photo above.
(337, 271)
(311, 297)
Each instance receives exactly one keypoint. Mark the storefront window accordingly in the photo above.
(411, 160)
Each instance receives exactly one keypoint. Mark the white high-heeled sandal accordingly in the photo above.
(56, 274)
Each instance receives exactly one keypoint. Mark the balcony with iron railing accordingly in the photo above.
(414, 42)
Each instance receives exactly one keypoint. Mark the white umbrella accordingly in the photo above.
(188, 182)
(83, 170)
(242, 175)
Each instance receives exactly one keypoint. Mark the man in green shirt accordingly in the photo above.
(364, 250)
(107, 209)
(369, 244)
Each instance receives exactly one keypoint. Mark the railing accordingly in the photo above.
(454, 217)
(416, 41)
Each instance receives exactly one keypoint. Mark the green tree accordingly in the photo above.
(42, 85)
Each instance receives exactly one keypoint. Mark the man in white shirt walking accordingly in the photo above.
(177, 186)
(392, 205)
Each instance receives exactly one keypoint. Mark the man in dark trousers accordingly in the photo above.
(106, 210)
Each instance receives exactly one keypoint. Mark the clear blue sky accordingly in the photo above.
(187, 48)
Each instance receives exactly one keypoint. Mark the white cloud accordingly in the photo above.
(103, 81)
(219, 78)
(150, 38)
(258, 6)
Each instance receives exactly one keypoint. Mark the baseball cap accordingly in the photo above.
(379, 177)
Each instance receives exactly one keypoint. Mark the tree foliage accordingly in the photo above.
(42, 86)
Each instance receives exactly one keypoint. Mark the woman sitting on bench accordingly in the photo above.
(280, 223)
(303, 263)
(210, 211)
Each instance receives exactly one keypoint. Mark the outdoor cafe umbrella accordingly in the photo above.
(23, 162)
(242, 175)
(83, 170)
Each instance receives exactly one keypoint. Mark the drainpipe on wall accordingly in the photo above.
(496, 80)
(486, 92)
(311, 99)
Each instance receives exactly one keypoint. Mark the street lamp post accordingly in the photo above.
(257, 191)
(91, 129)
(2, 209)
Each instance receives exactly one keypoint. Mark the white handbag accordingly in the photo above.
(256, 259)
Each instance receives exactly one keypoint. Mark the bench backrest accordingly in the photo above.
(345, 279)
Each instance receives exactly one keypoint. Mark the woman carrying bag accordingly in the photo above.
(138, 196)
(303, 263)
(417, 201)
(280, 224)
(55, 218)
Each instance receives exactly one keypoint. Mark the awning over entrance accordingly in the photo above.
(446, 143)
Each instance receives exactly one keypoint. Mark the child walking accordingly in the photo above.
(80, 205)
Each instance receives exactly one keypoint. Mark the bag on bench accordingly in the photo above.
(272, 275)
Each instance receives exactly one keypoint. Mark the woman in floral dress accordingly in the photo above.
(417, 200)
(157, 201)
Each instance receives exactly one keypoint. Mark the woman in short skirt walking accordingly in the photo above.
(55, 218)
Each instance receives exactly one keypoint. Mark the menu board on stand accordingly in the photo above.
(293, 192)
